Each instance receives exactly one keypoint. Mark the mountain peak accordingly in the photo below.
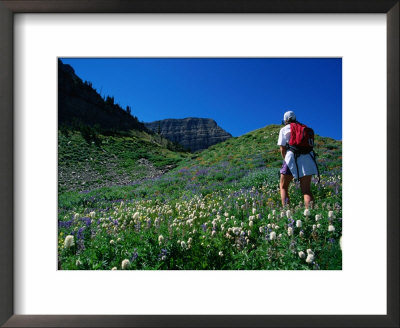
(193, 133)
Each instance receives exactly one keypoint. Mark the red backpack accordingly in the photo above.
(302, 142)
(301, 138)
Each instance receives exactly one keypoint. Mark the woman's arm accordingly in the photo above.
(283, 151)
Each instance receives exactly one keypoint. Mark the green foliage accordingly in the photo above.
(88, 159)
(257, 178)
(90, 134)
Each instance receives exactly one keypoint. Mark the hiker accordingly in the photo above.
(296, 143)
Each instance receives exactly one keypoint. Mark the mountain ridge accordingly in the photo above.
(80, 104)
(193, 133)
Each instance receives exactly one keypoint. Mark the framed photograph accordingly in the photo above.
(158, 159)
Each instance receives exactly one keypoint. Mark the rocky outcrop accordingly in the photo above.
(79, 103)
(192, 133)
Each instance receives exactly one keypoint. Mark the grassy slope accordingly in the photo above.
(243, 162)
(258, 149)
(112, 160)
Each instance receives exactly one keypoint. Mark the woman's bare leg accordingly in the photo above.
(305, 186)
(284, 186)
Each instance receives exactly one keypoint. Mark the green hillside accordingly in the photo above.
(89, 160)
(246, 161)
(259, 148)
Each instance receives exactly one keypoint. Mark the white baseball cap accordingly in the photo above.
(289, 116)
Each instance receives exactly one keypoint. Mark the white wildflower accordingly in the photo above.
(298, 224)
(273, 212)
(114, 268)
(282, 214)
(125, 263)
(69, 241)
(163, 258)
(92, 214)
(306, 212)
(269, 226)
(213, 233)
(288, 213)
(309, 251)
(254, 211)
(111, 242)
(331, 215)
(78, 262)
(249, 232)
(302, 255)
(331, 228)
(301, 234)
(160, 239)
(317, 217)
(220, 253)
(272, 235)
(190, 240)
(318, 226)
(314, 227)
(290, 231)
(183, 244)
(310, 258)
(261, 229)
(251, 224)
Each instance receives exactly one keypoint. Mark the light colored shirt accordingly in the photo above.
(305, 162)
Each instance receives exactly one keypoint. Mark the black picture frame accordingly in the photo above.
(10, 7)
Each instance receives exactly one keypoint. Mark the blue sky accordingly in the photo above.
(240, 94)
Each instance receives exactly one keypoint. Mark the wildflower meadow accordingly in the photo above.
(211, 212)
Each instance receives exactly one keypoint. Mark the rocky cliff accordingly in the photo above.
(79, 103)
(192, 133)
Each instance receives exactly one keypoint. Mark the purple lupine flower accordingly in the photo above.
(87, 221)
(134, 255)
(65, 224)
(80, 241)
(80, 233)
